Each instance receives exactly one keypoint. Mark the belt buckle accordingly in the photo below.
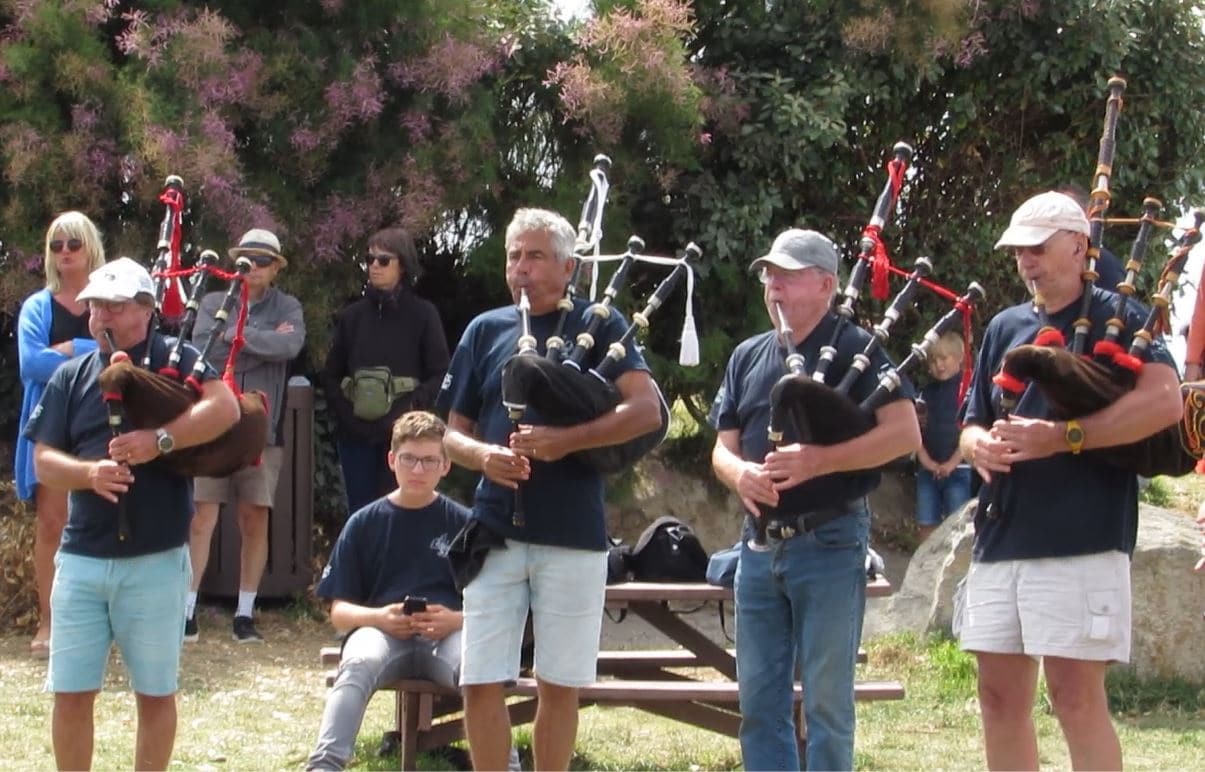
(781, 530)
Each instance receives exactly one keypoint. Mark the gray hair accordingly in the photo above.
(557, 227)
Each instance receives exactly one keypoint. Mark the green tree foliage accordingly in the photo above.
(727, 122)
(1000, 100)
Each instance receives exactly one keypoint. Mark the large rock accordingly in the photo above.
(924, 600)
(1167, 595)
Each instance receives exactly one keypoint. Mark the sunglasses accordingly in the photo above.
(263, 261)
(73, 245)
(381, 260)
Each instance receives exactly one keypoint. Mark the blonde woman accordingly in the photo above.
(52, 328)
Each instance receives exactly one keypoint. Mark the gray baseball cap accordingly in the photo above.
(796, 249)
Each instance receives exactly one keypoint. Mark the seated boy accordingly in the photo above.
(393, 548)
(943, 483)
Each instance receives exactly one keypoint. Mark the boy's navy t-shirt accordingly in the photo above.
(562, 500)
(386, 552)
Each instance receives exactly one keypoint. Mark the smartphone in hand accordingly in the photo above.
(413, 604)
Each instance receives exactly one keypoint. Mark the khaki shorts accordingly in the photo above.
(253, 484)
(1076, 607)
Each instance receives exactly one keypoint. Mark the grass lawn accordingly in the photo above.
(257, 707)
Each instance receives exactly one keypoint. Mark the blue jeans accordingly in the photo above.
(938, 499)
(366, 473)
(800, 604)
(371, 659)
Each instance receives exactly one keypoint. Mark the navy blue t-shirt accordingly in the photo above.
(1064, 504)
(562, 500)
(743, 401)
(72, 417)
(386, 552)
(940, 433)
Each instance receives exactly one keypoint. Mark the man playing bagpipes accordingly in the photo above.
(273, 335)
(108, 588)
(547, 508)
(1050, 571)
(800, 600)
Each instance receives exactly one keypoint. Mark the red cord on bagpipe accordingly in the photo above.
(173, 301)
(964, 308)
(880, 261)
(244, 295)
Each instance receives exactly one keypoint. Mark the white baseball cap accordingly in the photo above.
(1041, 217)
(118, 281)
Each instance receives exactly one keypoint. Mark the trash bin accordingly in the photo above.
(290, 520)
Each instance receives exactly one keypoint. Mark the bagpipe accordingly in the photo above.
(806, 408)
(139, 398)
(1075, 382)
(560, 384)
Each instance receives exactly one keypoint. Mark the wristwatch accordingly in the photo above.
(164, 441)
(1074, 435)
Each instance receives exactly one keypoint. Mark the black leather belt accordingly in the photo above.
(787, 526)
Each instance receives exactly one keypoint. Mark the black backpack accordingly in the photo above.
(667, 551)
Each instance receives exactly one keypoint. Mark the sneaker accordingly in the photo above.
(191, 634)
(245, 632)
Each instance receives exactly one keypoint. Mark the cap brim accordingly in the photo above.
(1024, 236)
(778, 259)
(101, 293)
(237, 252)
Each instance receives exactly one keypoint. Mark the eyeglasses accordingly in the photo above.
(110, 307)
(73, 245)
(263, 261)
(430, 463)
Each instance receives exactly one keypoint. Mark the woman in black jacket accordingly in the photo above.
(389, 355)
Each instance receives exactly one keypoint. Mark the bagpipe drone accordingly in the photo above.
(138, 398)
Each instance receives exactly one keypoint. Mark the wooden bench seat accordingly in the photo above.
(430, 716)
(613, 662)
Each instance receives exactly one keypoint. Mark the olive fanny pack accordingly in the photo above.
(373, 390)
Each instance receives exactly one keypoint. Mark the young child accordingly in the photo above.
(393, 548)
(943, 483)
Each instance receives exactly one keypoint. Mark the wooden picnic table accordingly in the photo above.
(695, 684)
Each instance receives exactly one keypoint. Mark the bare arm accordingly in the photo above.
(896, 434)
(749, 480)
(498, 463)
(206, 419)
(346, 616)
(1152, 405)
(63, 471)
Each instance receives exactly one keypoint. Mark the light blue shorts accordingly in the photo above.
(137, 602)
(565, 590)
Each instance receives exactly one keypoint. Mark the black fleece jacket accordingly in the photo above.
(396, 329)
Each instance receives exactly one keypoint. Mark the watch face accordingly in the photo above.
(164, 442)
(1074, 435)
